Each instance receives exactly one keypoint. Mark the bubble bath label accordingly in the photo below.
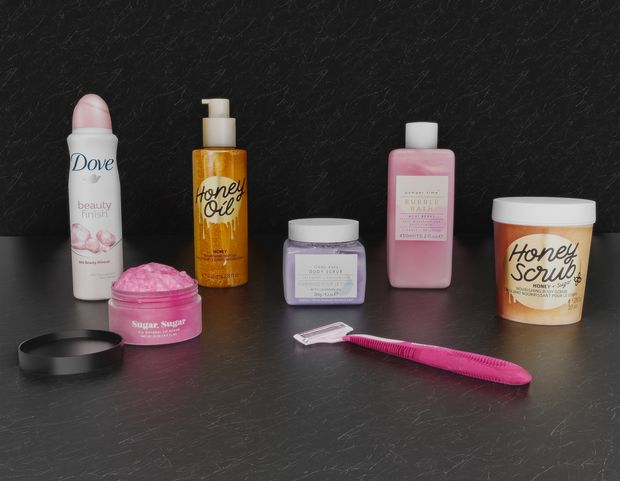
(421, 207)
(543, 271)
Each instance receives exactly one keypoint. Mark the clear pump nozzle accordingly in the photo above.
(218, 128)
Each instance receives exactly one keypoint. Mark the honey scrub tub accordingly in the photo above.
(542, 246)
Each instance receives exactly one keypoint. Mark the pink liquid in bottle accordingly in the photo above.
(420, 211)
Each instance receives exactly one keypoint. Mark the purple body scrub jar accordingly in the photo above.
(324, 262)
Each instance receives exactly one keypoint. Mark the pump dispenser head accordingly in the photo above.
(421, 135)
(218, 129)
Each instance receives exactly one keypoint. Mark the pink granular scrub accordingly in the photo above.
(155, 304)
(152, 277)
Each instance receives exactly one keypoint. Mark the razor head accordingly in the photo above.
(330, 333)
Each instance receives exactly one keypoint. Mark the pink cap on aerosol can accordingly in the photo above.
(91, 112)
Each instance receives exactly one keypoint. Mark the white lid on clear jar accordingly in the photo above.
(323, 230)
(544, 211)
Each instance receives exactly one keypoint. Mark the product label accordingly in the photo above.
(80, 162)
(543, 271)
(94, 205)
(95, 214)
(151, 330)
(219, 198)
(326, 276)
(421, 207)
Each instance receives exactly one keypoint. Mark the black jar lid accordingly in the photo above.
(71, 352)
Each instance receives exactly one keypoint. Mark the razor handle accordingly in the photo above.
(459, 362)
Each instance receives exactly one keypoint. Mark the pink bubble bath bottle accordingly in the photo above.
(420, 210)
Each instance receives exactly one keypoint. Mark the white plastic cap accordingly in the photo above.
(218, 129)
(544, 211)
(421, 135)
(323, 230)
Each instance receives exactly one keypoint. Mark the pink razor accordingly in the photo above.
(459, 362)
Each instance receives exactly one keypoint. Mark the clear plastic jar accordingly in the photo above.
(324, 262)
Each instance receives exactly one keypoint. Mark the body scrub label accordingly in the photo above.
(543, 271)
(326, 276)
(421, 207)
(542, 247)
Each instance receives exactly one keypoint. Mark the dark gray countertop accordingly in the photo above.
(245, 402)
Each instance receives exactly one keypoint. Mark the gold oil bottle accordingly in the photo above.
(220, 202)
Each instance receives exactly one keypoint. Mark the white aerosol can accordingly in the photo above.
(94, 201)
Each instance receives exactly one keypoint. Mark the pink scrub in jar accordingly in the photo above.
(155, 304)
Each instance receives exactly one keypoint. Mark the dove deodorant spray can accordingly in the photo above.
(94, 201)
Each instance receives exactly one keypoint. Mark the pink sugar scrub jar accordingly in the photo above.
(155, 304)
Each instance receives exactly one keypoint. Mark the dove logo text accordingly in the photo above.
(81, 162)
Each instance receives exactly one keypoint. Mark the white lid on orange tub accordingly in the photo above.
(544, 211)
(323, 230)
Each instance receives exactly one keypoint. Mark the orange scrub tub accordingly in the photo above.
(542, 246)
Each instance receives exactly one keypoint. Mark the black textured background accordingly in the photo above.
(526, 94)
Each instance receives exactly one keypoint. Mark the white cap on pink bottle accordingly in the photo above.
(421, 135)
(91, 112)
